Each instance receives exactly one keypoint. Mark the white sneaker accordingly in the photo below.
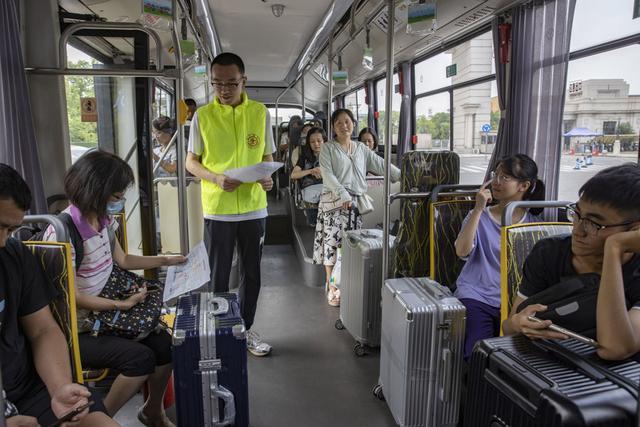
(256, 346)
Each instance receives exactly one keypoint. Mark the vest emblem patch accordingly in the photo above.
(252, 141)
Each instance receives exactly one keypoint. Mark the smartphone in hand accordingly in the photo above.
(556, 328)
(69, 415)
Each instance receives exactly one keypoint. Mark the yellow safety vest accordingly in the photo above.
(232, 138)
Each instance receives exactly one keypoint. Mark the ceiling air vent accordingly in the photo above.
(474, 16)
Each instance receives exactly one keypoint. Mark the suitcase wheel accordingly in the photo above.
(377, 392)
(339, 325)
(359, 350)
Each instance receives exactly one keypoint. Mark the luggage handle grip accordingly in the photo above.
(219, 306)
(524, 385)
(220, 392)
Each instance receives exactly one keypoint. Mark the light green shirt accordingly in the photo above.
(344, 173)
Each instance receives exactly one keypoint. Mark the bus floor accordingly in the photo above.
(312, 378)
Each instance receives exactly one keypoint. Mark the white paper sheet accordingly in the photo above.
(189, 276)
(254, 172)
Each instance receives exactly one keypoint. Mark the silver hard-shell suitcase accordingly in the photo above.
(360, 287)
(421, 352)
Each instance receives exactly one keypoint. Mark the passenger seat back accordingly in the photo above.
(446, 219)
(56, 261)
(516, 243)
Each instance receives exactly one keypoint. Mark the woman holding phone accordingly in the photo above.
(95, 186)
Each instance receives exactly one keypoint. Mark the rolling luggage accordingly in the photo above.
(360, 287)
(210, 361)
(421, 352)
(514, 381)
(422, 171)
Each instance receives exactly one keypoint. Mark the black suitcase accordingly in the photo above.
(514, 381)
(421, 172)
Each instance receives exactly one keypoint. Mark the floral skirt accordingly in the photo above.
(329, 229)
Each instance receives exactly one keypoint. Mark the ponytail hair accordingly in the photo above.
(523, 168)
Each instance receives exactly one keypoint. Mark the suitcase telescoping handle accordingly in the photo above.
(218, 306)
(229, 405)
(516, 380)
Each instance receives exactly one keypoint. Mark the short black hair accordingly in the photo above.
(94, 178)
(617, 187)
(190, 102)
(13, 187)
(371, 132)
(335, 114)
(228, 58)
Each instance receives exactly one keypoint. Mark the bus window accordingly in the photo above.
(381, 99)
(601, 117)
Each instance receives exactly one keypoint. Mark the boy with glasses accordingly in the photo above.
(233, 131)
(605, 241)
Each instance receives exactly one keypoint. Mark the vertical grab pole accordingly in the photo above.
(182, 181)
(330, 91)
(304, 106)
(388, 140)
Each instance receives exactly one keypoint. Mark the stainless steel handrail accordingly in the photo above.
(62, 235)
(132, 150)
(507, 214)
(182, 184)
(389, 139)
(452, 190)
(164, 152)
(115, 26)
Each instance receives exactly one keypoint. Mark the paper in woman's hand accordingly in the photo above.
(253, 173)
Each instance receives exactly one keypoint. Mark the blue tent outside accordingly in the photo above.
(582, 132)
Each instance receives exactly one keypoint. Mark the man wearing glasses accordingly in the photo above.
(231, 132)
(606, 241)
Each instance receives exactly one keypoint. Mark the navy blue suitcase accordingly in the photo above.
(514, 381)
(210, 361)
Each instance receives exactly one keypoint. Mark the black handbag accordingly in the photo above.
(570, 303)
(137, 322)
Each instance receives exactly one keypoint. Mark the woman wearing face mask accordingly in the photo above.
(95, 185)
(308, 171)
(478, 286)
(344, 164)
(163, 129)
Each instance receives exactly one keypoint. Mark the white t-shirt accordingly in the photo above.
(196, 146)
(171, 157)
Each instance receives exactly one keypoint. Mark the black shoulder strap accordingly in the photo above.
(74, 237)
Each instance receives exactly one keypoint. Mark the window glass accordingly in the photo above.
(433, 122)
(362, 114)
(476, 115)
(381, 90)
(83, 134)
(601, 116)
(285, 113)
(472, 59)
(596, 22)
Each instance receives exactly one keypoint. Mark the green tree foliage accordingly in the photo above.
(625, 128)
(382, 123)
(495, 120)
(438, 125)
(76, 87)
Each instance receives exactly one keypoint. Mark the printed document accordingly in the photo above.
(254, 172)
(189, 276)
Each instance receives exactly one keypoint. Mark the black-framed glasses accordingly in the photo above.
(227, 85)
(590, 226)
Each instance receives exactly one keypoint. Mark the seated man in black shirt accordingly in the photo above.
(36, 371)
(606, 241)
